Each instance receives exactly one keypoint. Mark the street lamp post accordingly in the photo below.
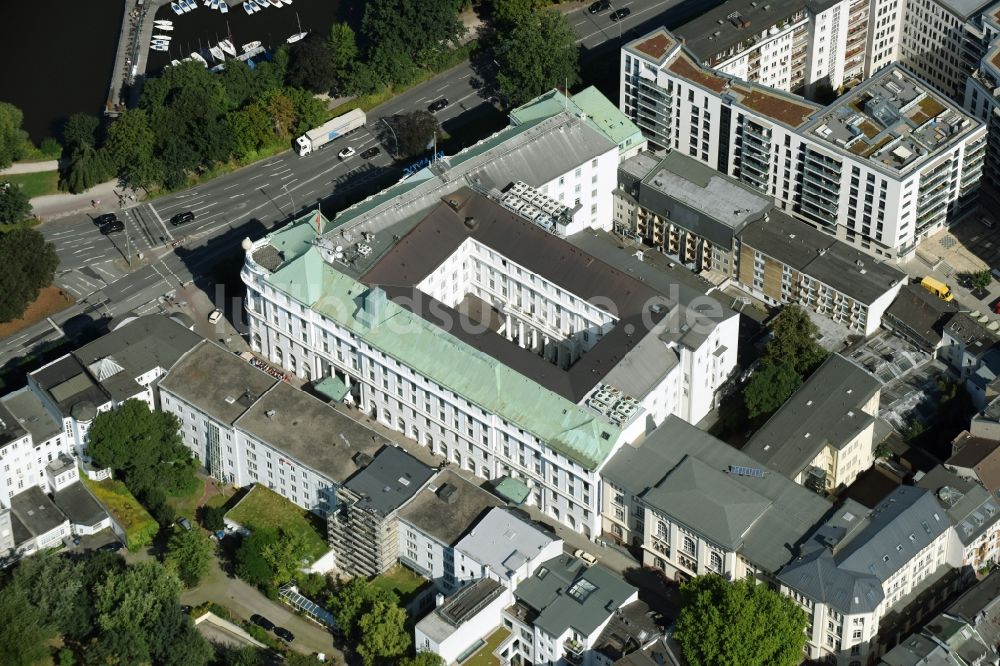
(290, 199)
(395, 139)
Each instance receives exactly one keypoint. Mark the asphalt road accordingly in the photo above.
(95, 269)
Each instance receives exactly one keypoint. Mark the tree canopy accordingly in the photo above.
(420, 30)
(13, 139)
(415, 131)
(311, 65)
(738, 624)
(536, 52)
(770, 387)
(29, 264)
(15, 206)
(370, 619)
(189, 554)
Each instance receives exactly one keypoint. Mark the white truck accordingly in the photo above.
(314, 139)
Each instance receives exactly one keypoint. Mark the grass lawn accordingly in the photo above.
(484, 655)
(187, 505)
(50, 300)
(400, 580)
(262, 508)
(139, 526)
(36, 184)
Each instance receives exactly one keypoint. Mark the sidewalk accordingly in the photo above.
(54, 206)
(30, 167)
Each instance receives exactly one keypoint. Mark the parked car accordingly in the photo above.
(184, 523)
(370, 153)
(262, 622)
(284, 634)
(346, 152)
(587, 558)
(186, 609)
(214, 316)
(113, 227)
(112, 547)
(620, 14)
(437, 105)
(105, 218)
(182, 218)
(599, 6)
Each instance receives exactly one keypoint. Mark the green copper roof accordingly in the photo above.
(332, 388)
(604, 116)
(513, 490)
(482, 380)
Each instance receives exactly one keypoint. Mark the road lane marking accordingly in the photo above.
(159, 219)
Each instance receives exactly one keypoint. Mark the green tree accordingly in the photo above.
(135, 436)
(310, 111)
(352, 600)
(419, 29)
(738, 624)
(239, 82)
(537, 53)
(251, 563)
(769, 387)
(310, 65)
(343, 49)
(13, 139)
(213, 518)
(415, 131)
(794, 341)
(284, 555)
(281, 109)
(981, 279)
(383, 633)
(23, 630)
(130, 148)
(505, 13)
(81, 129)
(189, 553)
(14, 203)
(423, 659)
(251, 130)
(87, 167)
(58, 590)
(390, 66)
(29, 264)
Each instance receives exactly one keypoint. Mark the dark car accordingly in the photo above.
(182, 218)
(113, 227)
(186, 609)
(112, 547)
(106, 218)
(599, 6)
(284, 634)
(370, 153)
(262, 622)
(437, 105)
(620, 14)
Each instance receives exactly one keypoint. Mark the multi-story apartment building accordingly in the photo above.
(860, 565)
(974, 514)
(822, 436)
(784, 261)
(485, 338)
(981, 97)
(364, 530)
(697, 506)
(685, 210)
(880, 168)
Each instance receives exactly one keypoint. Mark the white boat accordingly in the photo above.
(191, 5)
(177, 8)
(174, 62)
(256, 7)
(276, 3)
(216, 53)
(163, 23)
(287, 2)
(251, 46)
(197, 56)
(248, 8)
(227, 47)
(296, 37)
(158, 47)
(161, 38)
(187, 5)
(165, 28)
(224, 7)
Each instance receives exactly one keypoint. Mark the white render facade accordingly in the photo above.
(784, 146)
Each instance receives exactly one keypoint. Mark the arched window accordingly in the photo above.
(689, 545)
(715, 561)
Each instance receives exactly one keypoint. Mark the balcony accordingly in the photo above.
(574, 650)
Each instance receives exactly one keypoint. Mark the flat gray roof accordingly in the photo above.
(965, 8)
(10, 426)
(79, 505)
(566, 594)
(217, 382)
(713, 501)
(821, 257)
(390, 481)
(448, 507)
(68, 384)
(29, 412)
(37, 513)
(502, 542)
(826, 410)
(310, 431)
